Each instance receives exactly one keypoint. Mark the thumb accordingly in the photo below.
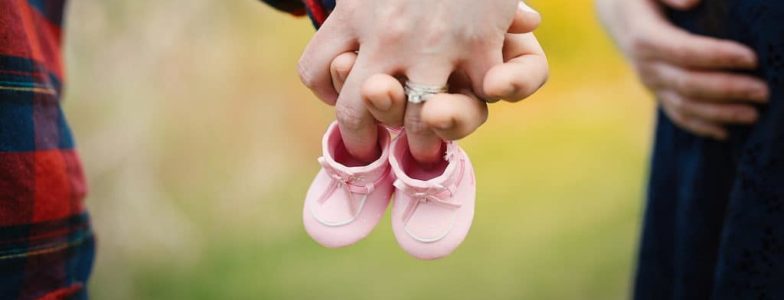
(526, 19)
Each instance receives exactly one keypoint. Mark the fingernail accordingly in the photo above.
(524, 7)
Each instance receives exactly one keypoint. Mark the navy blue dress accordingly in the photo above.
(714, 221)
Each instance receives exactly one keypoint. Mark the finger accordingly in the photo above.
(476, 69)
(454, 116)
(526, 19)
(681, 4)
(722, 113)
(423, 142)
(709, 86)
(523, 73)
(697, 126)
(657, 38)
(357, 126)
(340, 68)
(385, 99)
(314, 64)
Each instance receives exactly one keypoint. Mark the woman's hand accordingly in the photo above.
(426, 42)
(690, 75)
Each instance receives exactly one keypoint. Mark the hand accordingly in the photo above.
(455, 116)
(690, 75)
(425, 41)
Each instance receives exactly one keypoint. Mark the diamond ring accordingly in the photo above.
(418, 93)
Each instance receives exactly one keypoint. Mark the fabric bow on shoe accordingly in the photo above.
(435, 194)
(346, 181)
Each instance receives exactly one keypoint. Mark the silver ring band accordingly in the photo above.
(418, 93)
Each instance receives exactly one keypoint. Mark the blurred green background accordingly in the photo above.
(199, 143)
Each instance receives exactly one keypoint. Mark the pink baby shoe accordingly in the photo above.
(433, 210)
(345, 203)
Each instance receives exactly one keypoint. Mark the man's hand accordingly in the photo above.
(692, 76)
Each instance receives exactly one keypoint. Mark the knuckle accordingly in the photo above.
(394, 32)
(438, 32)
(639, 44)
(415, 125)
(349, 118)
(474, 39)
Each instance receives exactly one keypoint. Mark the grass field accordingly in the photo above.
(199, 144)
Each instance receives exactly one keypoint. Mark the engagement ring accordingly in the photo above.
(418, 93)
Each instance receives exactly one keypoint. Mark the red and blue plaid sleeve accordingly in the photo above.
(46, 243)
(317, 10)
(294, 7)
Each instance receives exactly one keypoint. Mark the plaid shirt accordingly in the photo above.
(318, 10)
(46, 243)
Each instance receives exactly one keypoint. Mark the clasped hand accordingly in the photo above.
(365, 51)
